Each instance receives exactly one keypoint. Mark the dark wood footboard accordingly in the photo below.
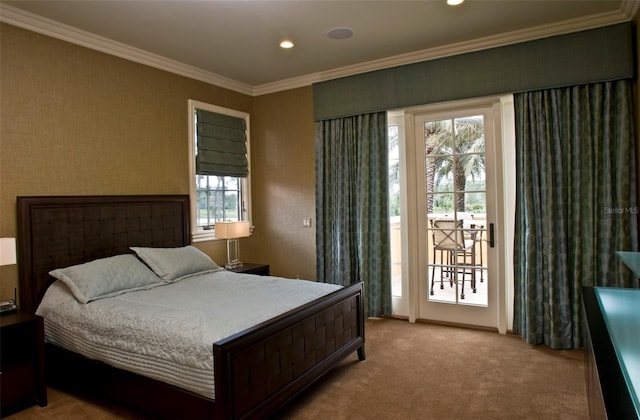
(259, 370)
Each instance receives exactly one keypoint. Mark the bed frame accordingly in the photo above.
(256, 372)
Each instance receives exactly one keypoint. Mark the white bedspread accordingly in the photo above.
(167, 332)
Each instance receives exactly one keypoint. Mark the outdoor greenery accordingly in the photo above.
(454, 151)
(217, 199)
(394, 171)
(454, 164)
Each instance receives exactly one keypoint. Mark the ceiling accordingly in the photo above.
(236, 43)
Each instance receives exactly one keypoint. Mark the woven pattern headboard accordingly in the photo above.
(56, 232)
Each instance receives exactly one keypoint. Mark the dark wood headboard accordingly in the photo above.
(56, 232)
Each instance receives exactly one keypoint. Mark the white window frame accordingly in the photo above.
(199, 234)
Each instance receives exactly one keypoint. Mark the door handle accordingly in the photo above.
(492, 242)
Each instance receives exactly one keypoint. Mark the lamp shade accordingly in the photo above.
(232, 230)
(7, 251)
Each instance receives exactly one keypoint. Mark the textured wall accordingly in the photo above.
(284, 183)
(74, 121)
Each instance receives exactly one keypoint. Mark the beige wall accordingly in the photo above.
(284, 182)
(77, 122)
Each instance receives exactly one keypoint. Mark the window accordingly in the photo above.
(218, 162)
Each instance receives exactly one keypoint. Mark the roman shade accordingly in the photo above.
(593, 55)
(221, 145)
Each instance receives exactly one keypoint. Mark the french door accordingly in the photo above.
(448, 230)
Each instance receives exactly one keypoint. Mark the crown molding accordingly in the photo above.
(507, 38)
(32, 22)
(631, 8)
(628, 10)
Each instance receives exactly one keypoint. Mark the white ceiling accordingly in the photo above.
(235, 43)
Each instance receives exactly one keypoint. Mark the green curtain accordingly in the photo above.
(575, 207)
(352, 221)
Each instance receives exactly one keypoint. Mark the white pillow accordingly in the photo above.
(173, 264)
(107, 277)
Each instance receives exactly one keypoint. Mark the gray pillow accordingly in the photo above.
(106, 277)
(172, 264)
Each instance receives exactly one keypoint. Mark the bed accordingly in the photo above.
(256, 371)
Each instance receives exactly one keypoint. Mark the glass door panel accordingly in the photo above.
(455, 176)
(398, 216)
(446, 195)
(394, 210)
(455, 195)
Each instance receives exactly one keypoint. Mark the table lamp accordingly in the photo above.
(8, 257)
(232, 231)
(7, 251)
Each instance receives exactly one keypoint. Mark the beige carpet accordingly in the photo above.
(415, 371)
(424, 371)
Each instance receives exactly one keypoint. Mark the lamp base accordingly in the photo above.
(233, 264)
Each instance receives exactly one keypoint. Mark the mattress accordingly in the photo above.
(167, 332)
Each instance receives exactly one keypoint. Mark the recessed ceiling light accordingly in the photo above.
(454, 2)
(340, 33)
(286, 44)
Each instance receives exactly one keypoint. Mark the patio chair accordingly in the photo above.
(449, 240)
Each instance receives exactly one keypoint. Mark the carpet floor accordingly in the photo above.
(426, 371)
(415, 371)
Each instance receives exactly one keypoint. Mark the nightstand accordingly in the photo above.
(251, 268)
(21, 362)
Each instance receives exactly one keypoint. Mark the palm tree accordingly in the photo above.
(453, 148)
(469, 141)
(437, 141)
(466, 135)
